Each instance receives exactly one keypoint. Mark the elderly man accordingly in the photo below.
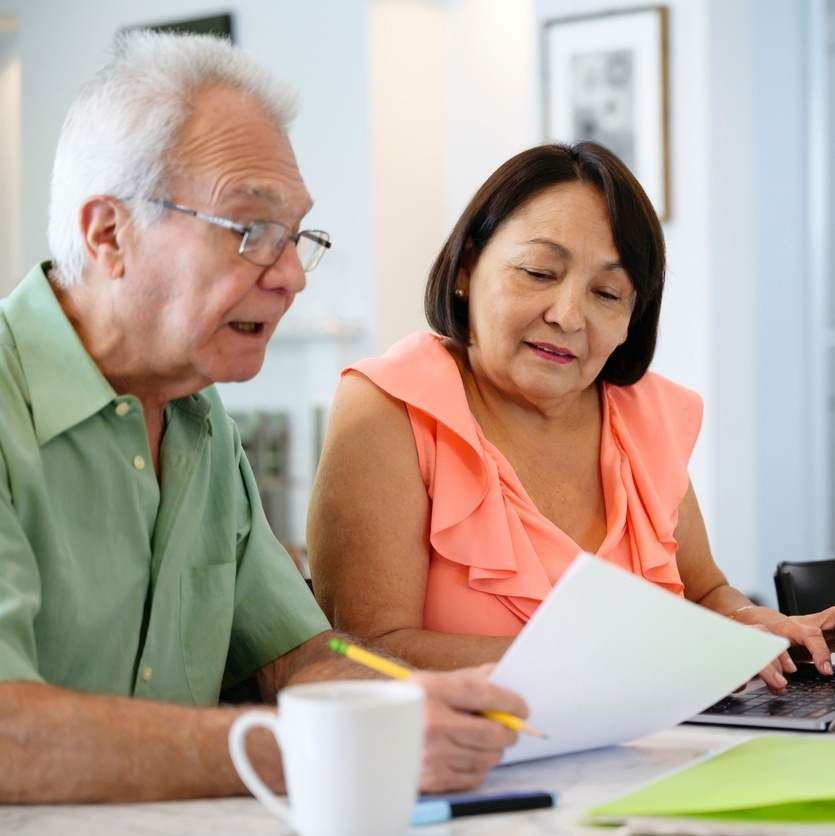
(138, 575)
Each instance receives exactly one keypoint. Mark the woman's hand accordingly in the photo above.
(801, 630)
(461, 746)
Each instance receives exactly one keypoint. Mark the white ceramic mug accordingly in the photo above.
(351, 752)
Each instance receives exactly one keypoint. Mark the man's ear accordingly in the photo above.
(104, 222)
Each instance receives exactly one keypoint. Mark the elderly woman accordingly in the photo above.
(464, 471)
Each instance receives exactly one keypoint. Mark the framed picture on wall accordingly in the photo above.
(218, 25)
(605, 79)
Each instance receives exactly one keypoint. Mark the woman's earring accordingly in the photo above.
(459, 293)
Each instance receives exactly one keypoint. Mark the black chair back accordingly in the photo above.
(804, 588)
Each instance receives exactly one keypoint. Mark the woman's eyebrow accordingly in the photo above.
(563, 252)
(557, 249)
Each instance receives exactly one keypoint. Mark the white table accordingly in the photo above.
(582, 779)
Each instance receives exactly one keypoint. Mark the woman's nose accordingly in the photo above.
(566, 309)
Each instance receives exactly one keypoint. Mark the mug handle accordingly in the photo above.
(237, 749)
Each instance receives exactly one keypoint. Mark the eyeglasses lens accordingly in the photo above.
(265, 242)
(310, 248)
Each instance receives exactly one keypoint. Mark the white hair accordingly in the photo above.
(120, 133)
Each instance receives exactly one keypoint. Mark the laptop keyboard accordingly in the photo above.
(808, 695)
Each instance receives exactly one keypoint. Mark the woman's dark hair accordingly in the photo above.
(635, 228)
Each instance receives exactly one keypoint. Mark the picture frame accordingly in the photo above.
(219, 25)
(605, 79)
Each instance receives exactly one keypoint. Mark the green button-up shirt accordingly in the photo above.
(110, 581)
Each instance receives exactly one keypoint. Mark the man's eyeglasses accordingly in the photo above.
(263, 242)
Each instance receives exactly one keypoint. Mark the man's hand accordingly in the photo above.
(460, 745)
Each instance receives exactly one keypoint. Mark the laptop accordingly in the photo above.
(808, 704)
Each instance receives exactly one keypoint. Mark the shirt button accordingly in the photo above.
(122, 408)
(139, 462)
(147, 674)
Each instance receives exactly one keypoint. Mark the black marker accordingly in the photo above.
(430, 810)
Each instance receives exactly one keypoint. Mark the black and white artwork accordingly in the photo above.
(603, 106)
(605, 80)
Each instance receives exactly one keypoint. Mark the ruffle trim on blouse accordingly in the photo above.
(651, 497)
(489, 524)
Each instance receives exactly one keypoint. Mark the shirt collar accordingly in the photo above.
(65, 385)
(197, 405)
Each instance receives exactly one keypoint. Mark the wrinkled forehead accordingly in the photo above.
(231, 147)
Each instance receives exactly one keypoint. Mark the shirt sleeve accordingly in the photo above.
(275, 611)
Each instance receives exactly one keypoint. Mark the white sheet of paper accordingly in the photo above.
(609, 657)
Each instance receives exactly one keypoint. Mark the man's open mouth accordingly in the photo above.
(247, 327)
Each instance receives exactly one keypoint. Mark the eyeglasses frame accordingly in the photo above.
(319, 236)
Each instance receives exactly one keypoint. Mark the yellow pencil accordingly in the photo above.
(395, 671)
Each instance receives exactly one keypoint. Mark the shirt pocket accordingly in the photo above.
(207, 605)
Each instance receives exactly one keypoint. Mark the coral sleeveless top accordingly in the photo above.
(493, 556)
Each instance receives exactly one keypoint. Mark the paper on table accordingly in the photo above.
(609, 657)
(768, 779)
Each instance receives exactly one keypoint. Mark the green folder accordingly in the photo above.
(767, 779)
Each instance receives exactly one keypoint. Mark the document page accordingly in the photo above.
(609, 657)
(769, 779)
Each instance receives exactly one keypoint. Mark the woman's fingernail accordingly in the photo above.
(827, 668)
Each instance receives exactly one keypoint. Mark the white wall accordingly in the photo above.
(492, 93)
(408, 85)
(10, 198)
(790, 435)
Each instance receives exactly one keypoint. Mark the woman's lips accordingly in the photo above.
(553, 353)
